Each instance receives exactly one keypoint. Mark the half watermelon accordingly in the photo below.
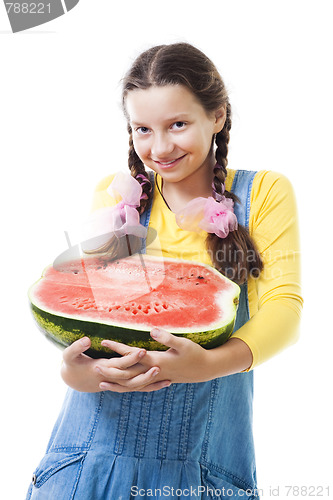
(124, 299)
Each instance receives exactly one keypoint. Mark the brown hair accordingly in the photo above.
(183, 64)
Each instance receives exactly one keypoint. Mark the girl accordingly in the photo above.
(179, 423)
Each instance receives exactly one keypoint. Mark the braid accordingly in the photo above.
(116, 247)
(222, 141)
(230, 255)
(138, 171)
(221, 155)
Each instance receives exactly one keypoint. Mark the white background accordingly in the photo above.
(62, 130)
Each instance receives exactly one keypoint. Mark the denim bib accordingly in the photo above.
(187, 440)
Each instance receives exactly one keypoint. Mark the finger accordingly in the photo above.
(130, 359)
(112, 373)
(168, 339)
(118, 347)
(156, 386)
(137, 382)
(74, 350)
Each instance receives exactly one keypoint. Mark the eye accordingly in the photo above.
(178, 125)
(142, 130)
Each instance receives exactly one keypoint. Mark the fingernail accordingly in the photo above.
(98, 370)
(141, 354)
(156, 372)
(155, 332)
(85, 341)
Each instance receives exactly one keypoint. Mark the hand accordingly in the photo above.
(127, 374)
(184, 361)
(83, 373)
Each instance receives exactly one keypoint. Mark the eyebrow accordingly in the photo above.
(177, 118)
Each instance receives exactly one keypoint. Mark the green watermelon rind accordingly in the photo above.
(63, 330)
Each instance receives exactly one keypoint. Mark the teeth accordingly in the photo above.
(166, 162)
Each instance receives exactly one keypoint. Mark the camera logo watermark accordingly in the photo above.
(23, 15)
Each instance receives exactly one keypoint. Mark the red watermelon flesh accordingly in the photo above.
(124, 299)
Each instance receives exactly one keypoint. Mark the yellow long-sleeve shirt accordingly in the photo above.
(275, 300)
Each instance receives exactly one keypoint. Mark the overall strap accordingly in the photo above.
(241, 187)
(144, 218)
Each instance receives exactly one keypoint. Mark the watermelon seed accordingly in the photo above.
(76, 272)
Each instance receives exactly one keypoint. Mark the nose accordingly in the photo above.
(162, 146)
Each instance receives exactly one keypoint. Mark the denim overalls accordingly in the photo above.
(184, 441)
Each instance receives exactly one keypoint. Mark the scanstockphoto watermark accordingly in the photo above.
(193, 492)
(285, 491)
(23, 15)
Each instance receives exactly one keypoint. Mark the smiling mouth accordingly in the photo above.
(169, 163)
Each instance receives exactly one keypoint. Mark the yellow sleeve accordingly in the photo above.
(101, 198)
(274, 226)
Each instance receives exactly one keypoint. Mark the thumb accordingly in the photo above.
(74, 350)
(166, 338)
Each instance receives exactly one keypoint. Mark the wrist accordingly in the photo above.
(232, 357)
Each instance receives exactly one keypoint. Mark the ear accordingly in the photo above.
(220, 117)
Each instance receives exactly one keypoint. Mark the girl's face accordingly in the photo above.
(172, 133)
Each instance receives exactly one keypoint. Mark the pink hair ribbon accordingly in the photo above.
(121, 219)
(208, 215)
